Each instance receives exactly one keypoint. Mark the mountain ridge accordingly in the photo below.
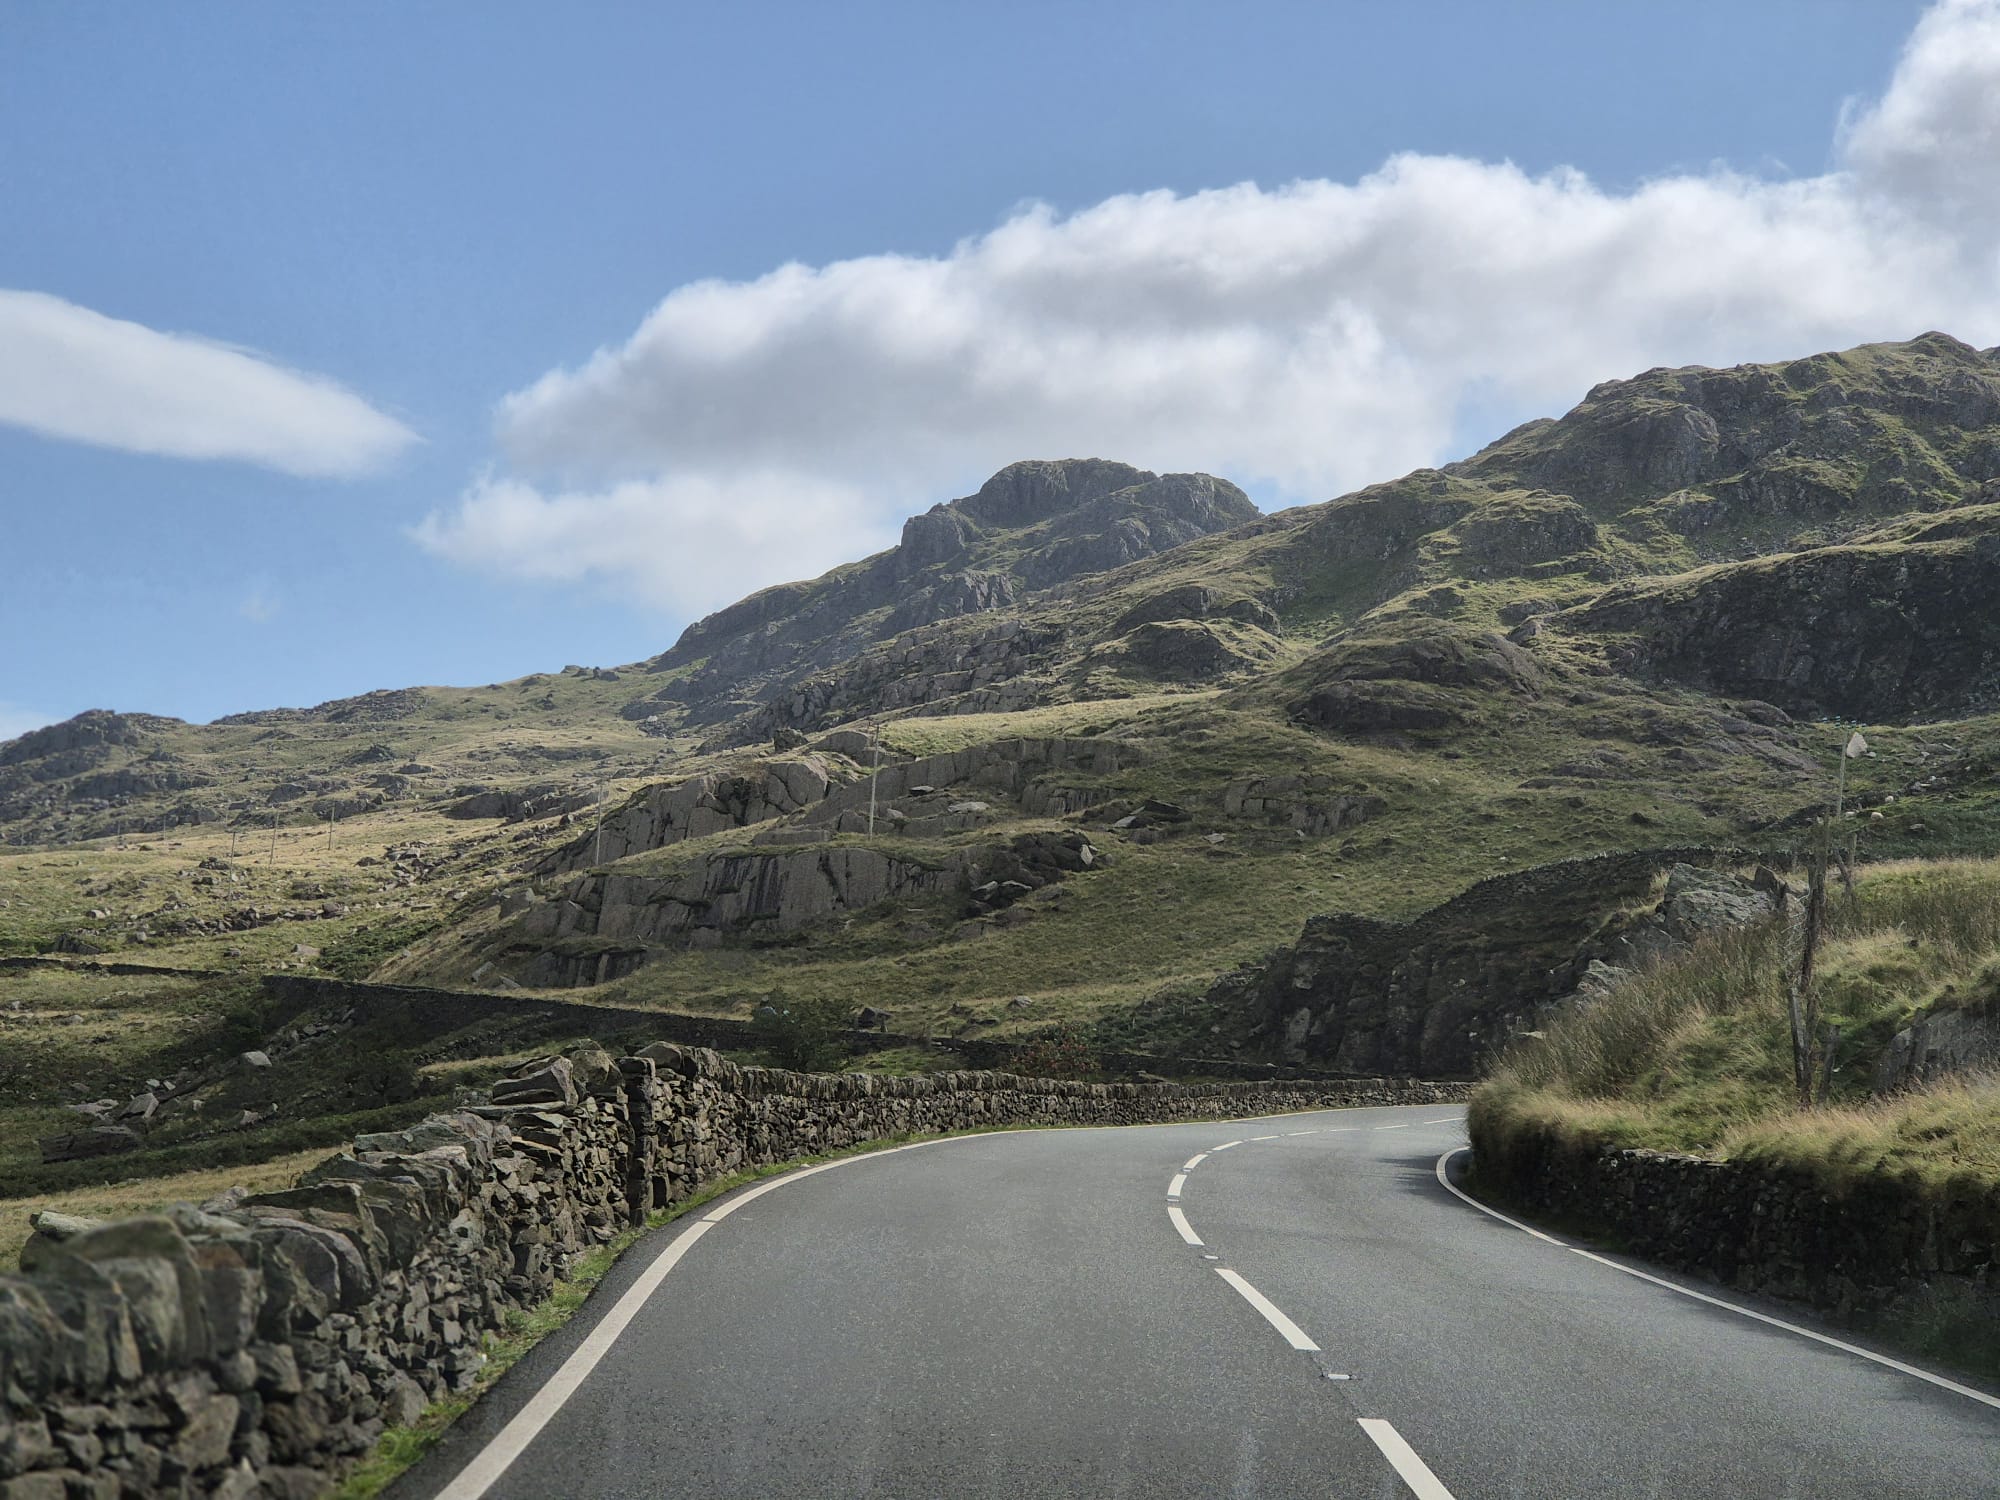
(1603, 631)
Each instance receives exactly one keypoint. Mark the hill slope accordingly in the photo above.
(1089, 738)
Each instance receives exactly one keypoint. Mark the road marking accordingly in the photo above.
(1174, 1187)
(511, 1441)
(1181, 1223)
(1195, 1161)
(1840, 1344)
(1456, 1192)
(1805, 1333)
(1403, 1459)
(1263, 1137)
(1404, 1126)
(497, 1456)
(1223, 1147)
(1293, 1334)
(1447, 1120)
(1301, 1132)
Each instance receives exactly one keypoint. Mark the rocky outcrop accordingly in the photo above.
(1302, 803)
(1039, 778)
(668, 813)
(521, 804)
(1424, 680)
(1697, 903)
(752, 895)
(1441, 993)
(1943, 1042)
(1739, 454)
(1861, 632)
(738, 894)
(808, 652)
(260, 1343)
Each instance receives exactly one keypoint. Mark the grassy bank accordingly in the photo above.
(1694, 1055)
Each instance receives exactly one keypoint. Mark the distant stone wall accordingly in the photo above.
(1883, 1252)
(441, 1012)
(258, 1344)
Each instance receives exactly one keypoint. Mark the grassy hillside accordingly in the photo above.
(1694, 1055)
(1623, 628)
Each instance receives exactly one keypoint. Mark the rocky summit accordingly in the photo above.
(1105, 747)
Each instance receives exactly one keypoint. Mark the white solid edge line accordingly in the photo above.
(1403, 1459)
(1181, 1223)
(1194, 1161)
(1940, 1381)
(1174, 1187)
(1293, 1334)
(1822, 1338)
(1223, 1147)
(511, 1441)
(1494, 1213)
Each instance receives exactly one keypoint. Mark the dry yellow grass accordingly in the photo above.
(147, 1195)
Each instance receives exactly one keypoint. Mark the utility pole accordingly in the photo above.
(329, 833)
(874, 776)
(274, 840)
(598, 858)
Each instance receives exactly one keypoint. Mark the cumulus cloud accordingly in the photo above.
(68, 372)
(681, 542)
(1306, 338)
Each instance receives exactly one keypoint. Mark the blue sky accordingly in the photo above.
(353, 346)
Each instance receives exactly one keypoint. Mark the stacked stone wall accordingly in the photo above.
(1880, 1251)
(258, 1344)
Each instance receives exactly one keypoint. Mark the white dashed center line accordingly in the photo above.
(1403, 1459)
(1291, 1332)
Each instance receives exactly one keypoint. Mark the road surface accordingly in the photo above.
(1293, 1306)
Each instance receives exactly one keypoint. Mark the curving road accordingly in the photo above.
(1296, 1306)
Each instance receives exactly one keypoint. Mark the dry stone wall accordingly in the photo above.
(257, 1344)
(1883, 1251)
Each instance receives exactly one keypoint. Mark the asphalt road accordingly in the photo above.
(1020, 1315)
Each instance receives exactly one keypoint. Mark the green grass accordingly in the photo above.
(1694, 1055)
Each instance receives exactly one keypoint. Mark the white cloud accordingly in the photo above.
(69, 372)
(1307, 338)
(682, 542)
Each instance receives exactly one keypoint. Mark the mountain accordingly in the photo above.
(1090, 738)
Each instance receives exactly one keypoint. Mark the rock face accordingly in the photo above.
(711, 803)
(1865, 632)
(261, 1343)
(1439, 994)
(732, 896)
(1942, 1043)
(1030, 527)
(737, 894)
